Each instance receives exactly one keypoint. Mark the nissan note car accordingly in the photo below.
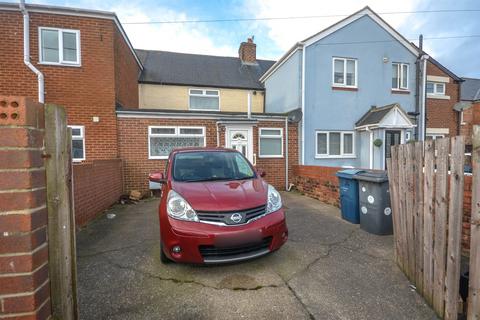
(216, 208)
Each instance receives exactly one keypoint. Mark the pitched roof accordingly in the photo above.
(470, 89)
(69, 11)
(375, 115)
(163, 67)
(444, 69)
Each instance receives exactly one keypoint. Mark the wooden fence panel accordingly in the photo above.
(455, 218)
(426, 187)
(440, 239)
(428, 219)
(474, 285)
(418, 175)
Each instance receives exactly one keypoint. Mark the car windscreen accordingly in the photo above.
(211, 166)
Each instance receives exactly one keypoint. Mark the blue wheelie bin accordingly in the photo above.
(349, 195)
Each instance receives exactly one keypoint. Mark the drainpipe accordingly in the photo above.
(286, 153)
(423, 108)
(371, 147)
(249, 104)
(417, 87)
(26, 52)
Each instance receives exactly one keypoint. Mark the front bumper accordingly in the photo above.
(206, 243)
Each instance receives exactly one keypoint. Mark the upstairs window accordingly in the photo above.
(78, 143)
(344, 72)
(59, 46)
(204, 99)
(400, 76)
(435, 88)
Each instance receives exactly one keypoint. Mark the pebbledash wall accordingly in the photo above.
(133, 144)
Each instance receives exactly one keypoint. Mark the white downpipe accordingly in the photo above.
(26, 52)
(371, 147)
(302, 135)
(424, 84)
(286, 153)
(249, 105)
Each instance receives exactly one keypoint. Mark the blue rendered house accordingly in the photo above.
(356, 84)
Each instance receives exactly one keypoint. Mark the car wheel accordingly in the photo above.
(163, 257)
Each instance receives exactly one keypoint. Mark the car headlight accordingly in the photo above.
(179, 208)
(274, 200)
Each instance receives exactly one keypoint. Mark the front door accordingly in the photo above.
(240, 139)
(392, 137)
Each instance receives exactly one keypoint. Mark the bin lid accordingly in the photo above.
(372, 176)
(348, 173)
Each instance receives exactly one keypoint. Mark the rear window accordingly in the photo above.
(211, 166)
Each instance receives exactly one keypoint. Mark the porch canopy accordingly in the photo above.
(391, 116)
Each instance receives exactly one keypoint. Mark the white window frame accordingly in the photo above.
(435, 136)
(81, 137)
(261, 136)
(204, 94)
(400, 79)
(342, 154)
(462, 120)
(60, 62)
(344, 84)
(176, 134)
(435, 92)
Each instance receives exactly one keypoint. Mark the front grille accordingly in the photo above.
(212, 253)
(225, 217)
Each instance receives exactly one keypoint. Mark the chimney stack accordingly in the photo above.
(247, 52)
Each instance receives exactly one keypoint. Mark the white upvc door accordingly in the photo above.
(240, 139)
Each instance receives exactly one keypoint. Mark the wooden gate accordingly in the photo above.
(426, 187)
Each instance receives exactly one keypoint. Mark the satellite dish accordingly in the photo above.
(295, 115)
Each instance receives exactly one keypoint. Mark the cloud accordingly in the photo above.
(285, 33)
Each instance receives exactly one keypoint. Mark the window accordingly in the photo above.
(162, 140)
(335, 144)
(78, 143)
(435, 88)
(462, 120)
(271, 143)
(344, 72)
(204, 99)
(59, 46)
(399, 76)
(434, 136)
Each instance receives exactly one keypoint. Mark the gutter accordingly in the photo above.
(26, 53)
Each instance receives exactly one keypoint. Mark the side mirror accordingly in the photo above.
(261, 173)
(158, 177)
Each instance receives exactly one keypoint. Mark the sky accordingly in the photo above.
(275, 37)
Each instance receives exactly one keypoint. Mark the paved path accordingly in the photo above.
(329, 269)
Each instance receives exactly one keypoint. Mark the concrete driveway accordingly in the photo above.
(329, 269)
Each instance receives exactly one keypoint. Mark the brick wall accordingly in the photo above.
(85, 91)
(24, 283)
(96, 185)
(126, 73)
(440, 113)
(318, 182)
(133, 142)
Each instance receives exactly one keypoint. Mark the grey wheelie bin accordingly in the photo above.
(374, 202)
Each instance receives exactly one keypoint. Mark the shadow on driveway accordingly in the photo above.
(328, 269)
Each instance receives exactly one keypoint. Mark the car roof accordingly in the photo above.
(201, 149)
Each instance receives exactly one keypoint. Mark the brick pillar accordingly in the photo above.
(24, 284)
(476, 113)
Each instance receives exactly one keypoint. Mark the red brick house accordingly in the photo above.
(201, 100)
(89, 67)
(442, 93)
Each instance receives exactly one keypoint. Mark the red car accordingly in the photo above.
(216, 208)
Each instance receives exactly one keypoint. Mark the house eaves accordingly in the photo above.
(444, 69)
(40, 8)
